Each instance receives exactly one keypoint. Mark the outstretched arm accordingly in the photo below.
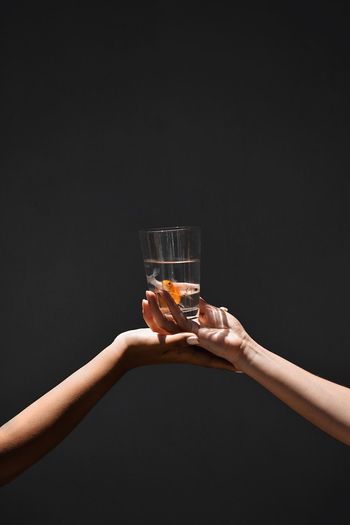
(324, 403)
(45, 423)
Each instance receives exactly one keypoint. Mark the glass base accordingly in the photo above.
(191, 314)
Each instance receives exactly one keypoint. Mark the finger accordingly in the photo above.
(174, 340)
(161, 321)
(147, 315)
(202, 309)
(206, 312)
(202, 357)
(202, 304)
(179, 317)
(213, 316)
(192, 340)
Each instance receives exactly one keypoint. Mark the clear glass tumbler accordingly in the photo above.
(171, 257)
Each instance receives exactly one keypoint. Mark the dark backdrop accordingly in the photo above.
(235, 119)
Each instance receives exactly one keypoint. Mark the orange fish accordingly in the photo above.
(171, 288)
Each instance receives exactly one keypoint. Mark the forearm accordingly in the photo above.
(323, 403)
(46, 422)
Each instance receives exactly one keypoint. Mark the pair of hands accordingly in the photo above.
(215, 340)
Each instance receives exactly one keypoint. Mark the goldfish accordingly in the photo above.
(172, 288)
(175, 289)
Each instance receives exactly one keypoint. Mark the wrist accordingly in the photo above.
(128, 350)
(249, 351)
(119, 351)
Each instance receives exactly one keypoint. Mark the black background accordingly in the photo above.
(235, 119)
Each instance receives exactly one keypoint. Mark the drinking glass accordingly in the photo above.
(171, 257)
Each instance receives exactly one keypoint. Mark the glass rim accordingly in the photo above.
(169, 229)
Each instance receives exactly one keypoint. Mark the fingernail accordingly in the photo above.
(193, 340)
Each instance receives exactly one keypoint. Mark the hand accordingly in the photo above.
(145, 347)
(216, 329)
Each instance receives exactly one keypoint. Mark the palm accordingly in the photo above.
(217, 330)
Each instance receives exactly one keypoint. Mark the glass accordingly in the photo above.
(171, 257)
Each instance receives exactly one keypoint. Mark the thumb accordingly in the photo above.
(203, 309)
(202, 303)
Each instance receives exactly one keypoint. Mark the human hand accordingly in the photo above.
(143, 346)
(216, 330)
